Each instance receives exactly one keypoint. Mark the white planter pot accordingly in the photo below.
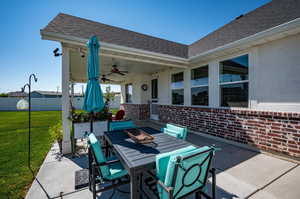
(80, 128)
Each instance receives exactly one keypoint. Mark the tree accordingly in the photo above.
(3, 95)
(109, 95)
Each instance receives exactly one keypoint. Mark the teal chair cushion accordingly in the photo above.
(190, 178)
(96, 146)
(180, 130)
(116, 170)
(162, 161)
(121, 125)
(172, 133)
(112, 171)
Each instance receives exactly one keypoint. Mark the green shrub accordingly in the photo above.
(56, 132)
(86, 117)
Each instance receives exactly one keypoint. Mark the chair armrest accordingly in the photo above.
(107, 163)
(168, 189)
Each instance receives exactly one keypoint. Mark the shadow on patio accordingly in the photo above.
(241, 173)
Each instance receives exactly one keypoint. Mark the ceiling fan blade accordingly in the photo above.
(123, 71)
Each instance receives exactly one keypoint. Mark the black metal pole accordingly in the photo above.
(29, 118)
(29, 123)
(91, 120)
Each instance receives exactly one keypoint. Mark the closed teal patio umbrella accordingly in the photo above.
(93, 98)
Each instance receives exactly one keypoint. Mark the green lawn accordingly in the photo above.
(114, 110)
(15, 178)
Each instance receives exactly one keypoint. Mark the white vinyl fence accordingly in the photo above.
(116, 102)
(45, 104)
(37, 104)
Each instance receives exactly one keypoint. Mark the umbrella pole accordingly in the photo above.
(92, 117)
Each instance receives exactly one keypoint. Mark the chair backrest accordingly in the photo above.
(182, 130)
(121, 125)
(188, 171)
(120, 115)
(97, 153)
(172, 132)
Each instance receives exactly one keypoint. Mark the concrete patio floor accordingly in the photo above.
(241, 173)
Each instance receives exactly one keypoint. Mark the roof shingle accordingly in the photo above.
(265, 17)
(83, 28)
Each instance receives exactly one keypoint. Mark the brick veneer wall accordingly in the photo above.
(136, 111)
(271, 131)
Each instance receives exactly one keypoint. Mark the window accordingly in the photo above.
(128, 93)
(177, 88)
(154, 88)
(199, 84)
(234, 82)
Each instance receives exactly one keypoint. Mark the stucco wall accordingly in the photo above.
(274, 78)
(277, 75)
(138, 95)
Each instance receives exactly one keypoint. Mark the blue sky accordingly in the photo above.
(23, 52)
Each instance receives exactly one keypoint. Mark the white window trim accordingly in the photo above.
(234, 82)
(126, 93)
(199, 86)
(171, 89)
(157, 88)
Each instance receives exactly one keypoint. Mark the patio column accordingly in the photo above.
(187, 87)
(213, 84)
(65, 85)
(253, 84)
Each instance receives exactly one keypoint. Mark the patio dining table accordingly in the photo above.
(138, 158)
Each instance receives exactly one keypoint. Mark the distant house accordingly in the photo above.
(50, 94)
(17, 94)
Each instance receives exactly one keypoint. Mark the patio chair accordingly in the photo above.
(107, 172)
(183, 172)
(120, 125)
(176, 131)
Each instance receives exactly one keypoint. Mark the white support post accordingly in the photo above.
(187, 87)
(123, 94)
(72, 91)
(253, 86)
(65, 85)
(214, 88)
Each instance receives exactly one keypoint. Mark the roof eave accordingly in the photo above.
(112, 47)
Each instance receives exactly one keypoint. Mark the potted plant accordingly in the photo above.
(56, 133)
(81, 122)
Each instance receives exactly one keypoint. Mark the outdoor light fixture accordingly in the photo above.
(56, 53)
(81, 52)
(22, 105)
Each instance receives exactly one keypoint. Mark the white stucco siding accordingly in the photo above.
(277, 75)
(145, 95)
(274, 78)
(164, 87)
(138, 95)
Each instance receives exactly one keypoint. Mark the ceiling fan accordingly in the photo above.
(104, 79)
(115, 70)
